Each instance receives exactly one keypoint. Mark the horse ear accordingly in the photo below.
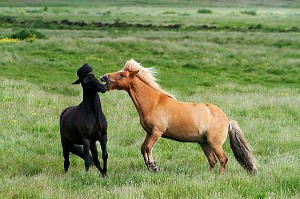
(133, 73)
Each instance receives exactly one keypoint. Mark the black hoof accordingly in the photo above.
(152, 167)
(155, 169)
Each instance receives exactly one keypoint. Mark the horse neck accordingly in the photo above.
(143, 96)
(91, 102)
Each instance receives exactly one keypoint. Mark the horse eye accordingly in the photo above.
(122, 75)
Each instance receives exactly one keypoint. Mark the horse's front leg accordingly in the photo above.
(86, 148)
(143, 149)
(94, 151)
(103, 142)
(146, 149)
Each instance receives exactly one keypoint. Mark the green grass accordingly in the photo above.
(250, 73)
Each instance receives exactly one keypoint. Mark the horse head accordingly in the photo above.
(88, 81)
(91, 83)
(118, 80)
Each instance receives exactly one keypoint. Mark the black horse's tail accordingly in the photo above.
(240, 148)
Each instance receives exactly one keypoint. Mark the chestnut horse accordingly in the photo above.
(161, 115)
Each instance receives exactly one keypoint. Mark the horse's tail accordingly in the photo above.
(240, 148)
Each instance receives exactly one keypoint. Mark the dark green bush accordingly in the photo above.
(28, 35)
(204, 11)
(248, 12)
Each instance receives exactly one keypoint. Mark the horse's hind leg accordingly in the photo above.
(216, 138)
(211, 157)
(218, 150)
(94, 151)
(78, 150)
(66, 152)
(103, 142)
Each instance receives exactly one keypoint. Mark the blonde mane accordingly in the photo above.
(147, 75)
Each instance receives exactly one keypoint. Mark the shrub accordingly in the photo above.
(248, 12)
(204, 11)
(28, 35)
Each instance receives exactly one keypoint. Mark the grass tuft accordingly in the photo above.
(248, 12)
(204, 11)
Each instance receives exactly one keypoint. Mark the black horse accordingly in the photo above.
(85, 124)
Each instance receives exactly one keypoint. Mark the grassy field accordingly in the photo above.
(243, 57)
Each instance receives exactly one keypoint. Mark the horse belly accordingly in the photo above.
(184, 137)
(187, 126)
(185, 134)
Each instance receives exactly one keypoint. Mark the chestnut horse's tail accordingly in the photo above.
(240, 147)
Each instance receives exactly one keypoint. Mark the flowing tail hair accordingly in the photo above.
(240, 148)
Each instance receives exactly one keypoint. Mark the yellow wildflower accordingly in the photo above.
(8, 40)
(31, 38)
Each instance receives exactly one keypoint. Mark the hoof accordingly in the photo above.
(155, 169)
(152, 167)
(103, 172)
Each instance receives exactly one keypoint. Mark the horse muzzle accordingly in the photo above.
(104, 78)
